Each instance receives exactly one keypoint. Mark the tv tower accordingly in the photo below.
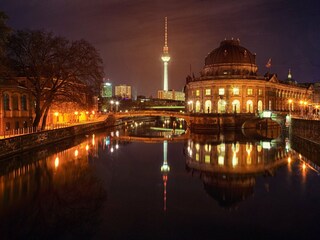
(165, 56)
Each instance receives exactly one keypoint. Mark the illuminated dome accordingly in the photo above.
(230, 59)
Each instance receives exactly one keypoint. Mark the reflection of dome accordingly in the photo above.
(228, 190)
(230, 59)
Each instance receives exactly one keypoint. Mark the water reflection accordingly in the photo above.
(229, 169)
(61, 190)
(51, 192)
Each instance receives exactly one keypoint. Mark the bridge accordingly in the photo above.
(203, 121)
(178, 138)
(151, 113)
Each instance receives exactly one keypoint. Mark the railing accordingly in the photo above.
(30, 130)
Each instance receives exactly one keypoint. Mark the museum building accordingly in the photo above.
(229, 83)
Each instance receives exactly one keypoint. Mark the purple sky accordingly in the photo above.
(129, 34)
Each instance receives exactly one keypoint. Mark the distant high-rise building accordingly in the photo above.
(106, 90)
(123, 91)
(171, 94)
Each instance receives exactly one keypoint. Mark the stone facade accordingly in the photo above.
(229, 83)
(15, 106)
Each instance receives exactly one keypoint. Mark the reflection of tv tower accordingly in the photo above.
(165, 169)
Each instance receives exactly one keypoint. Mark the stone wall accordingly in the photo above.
(211, 123)
(306, 129)
(13, 145)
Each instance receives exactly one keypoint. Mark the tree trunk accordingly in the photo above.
(38, 113)
(44, 119)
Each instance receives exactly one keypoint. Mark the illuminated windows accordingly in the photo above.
(249, 91)
(260, 92)
(236, 91)
(198, 93)
(221, 91)
(6, 101)
(208, 92)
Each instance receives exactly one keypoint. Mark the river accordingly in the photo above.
(105, 186)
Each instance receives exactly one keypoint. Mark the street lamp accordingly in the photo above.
(111, 103)
(76, 113)
(301, 107)
(190, 105)
(117, 105)
(290, 105)
(57, 116)
(305, 105)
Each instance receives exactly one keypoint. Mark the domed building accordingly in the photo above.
(229, 83)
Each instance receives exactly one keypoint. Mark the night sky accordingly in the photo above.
(129, 34)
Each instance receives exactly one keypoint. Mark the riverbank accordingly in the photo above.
(16, 144)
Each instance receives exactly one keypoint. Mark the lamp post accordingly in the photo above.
(301, 107)
(111, 103)
(290, 106)
(57, 116)
(76, 114)
(117, 106)
(190, 106)
(305, 109)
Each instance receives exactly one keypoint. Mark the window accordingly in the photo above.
(260, 106)
(198, 106)
(23, 103)
(208, 106)
(197, 93)
(249, 91)
(208, 92)
(249, 106)
(236, 106)
(236, 91)
(6, 101)
(260, 92)
(221, 91)
(15, 105)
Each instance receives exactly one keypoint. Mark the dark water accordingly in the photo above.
(211, 187)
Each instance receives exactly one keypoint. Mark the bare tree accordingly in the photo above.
(4, 34)
(54, 68)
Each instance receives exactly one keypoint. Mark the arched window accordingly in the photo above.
(208, 106)
(249, 106)
(260, 106)
(221, 106)
(236, 106)
(198, 106)
(15, 105)
(24, 103)
(6, 101)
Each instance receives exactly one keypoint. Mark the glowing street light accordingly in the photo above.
(290, 105)
(111, 103)
(76, 114)
(190, 104)
(117, 106)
